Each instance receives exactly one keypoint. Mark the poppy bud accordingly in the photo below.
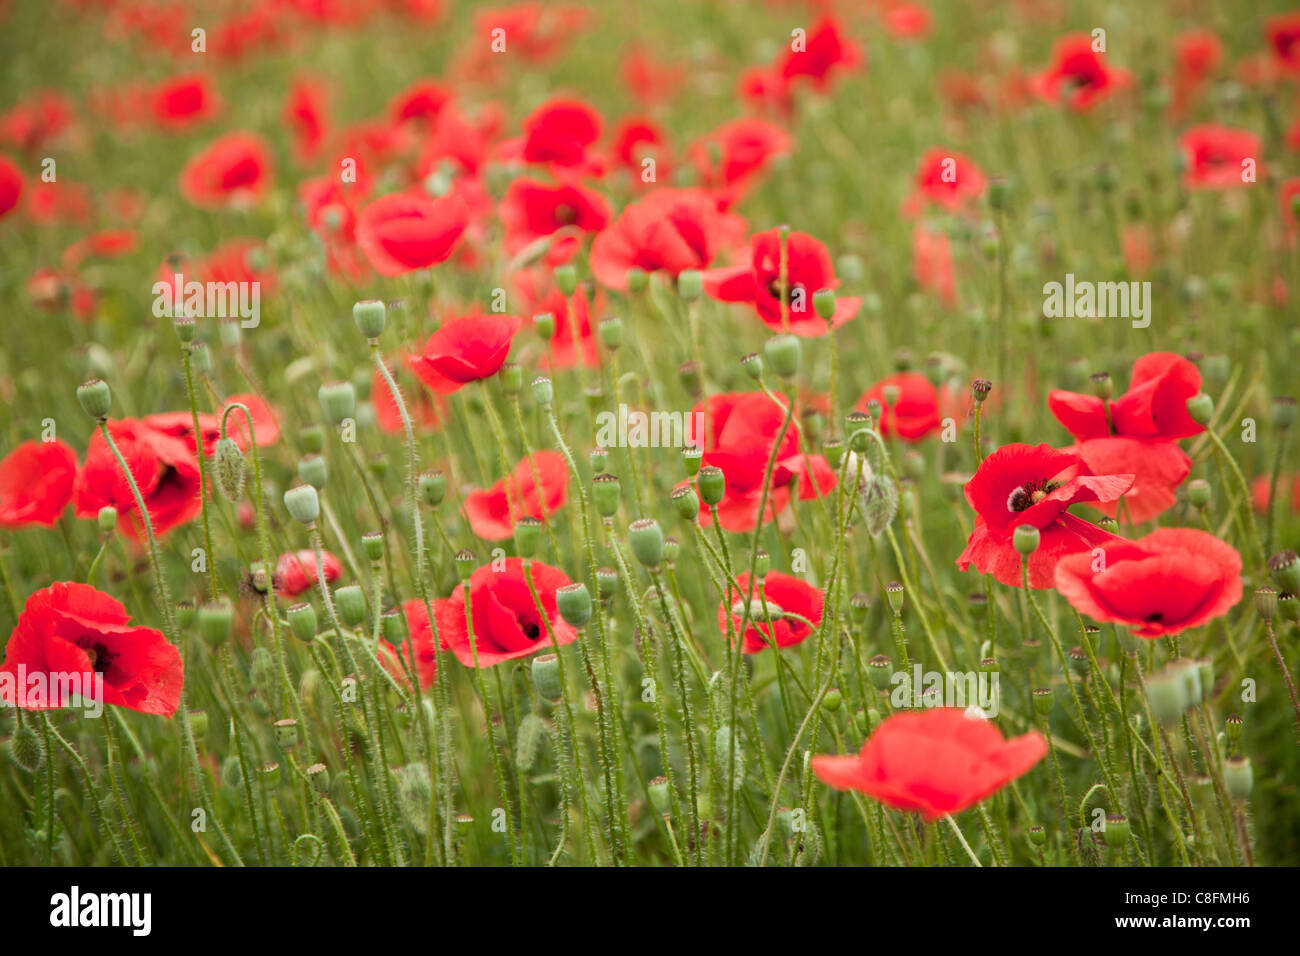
(566, 280)
(690, 284)
(230, 468)
(606, 582)
(894, 593)
(95, 398)
(313, 470)
(1026, 539)
(1285, 569)
(214, 620)
(637, 280)
(393, 625)
(1043, 699)
(543, 391)
(527, 532)
(302, 504)
(647, 541)
(782, 352)
(351, 604)
(371, 316)
(753, 366)
(338, 401)
(544, 324)
(432, 487)
(688, 373)
(762, 563)
(1198, 493)
(529, 736)
(691, 458)
(106, 520)
(1201, 408)
(372, 543)
(1238, 777)
(27, 749)
(712, 484)
(1167, 695)
(573, 601)
(1284, 410)
(686, 501)
(512, 378)
(286, 733)
(610, 330)
(832, 700)
(546, 676)
(1266, 603)
(302, 622)
(980, 389)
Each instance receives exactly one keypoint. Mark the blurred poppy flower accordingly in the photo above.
(906, 21)
(648, 80)
(184, 101)
(422, 101)
(824, 51)
(573, 343)
(1283, 35)
(535, 31)
(1197, 54)
(560, 132)
(37, 121)
(915, 411)
(1220, 157)
(1079, 77)
(70, 628)
(782, 594)
(636, 139)
(537, 487)
(234, 169)
(732, 158)
(932, 263)
(11, 186)
(533, 210)
(1288, 486)
(948, 179)
(426, 411)
(36, 483)
(296, 572)
(421, 640)
(465, 350)
(403, 232)
(937, 762)
(306, 114)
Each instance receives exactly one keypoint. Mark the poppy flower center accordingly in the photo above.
(565, 214)
(101, 658)
(1028, 495)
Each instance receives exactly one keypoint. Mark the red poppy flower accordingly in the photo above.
(560, 132)
(535, 31)
(295, 571)
(808, 270)
(426, 411)
(234, 169)
(36, 483)
(1167, 582)
(532, 210)
(913, 414)
(181, 424)
(403, 232)
(1287, 199)
(824, 51)
(1220, 157)
(1196, 55)
(37, 121)
(11, 186)
(637, 138)
(59, 201)
(506, 622)
(184, 101)
(782, 593)
(906, 21)
(948, 179)
(421, 639)
(164, 468)
(932, 263)
(938, 762)
(648, 80)
(1288, 487)
(306, 113)
(422, 101)
(465, 350)
(573, 343)
(72, 629)
(734, 156)
(1135, 433)
(1283, 34)
(1079, 76)
(669, 230)
(492, 513)
(107, 244)
(1026, 484)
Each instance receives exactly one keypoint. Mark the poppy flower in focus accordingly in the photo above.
(938, 762)
(36, 483)
(1033, 485)
(560, 132)
(782, 594)
(532, 210)
(808, 270)
(507, 624)
(183, 101)
(73, 629)
(165, 470)
(915, 411)
(403, 232)
(295, 571)
(1136, 432)
(235, 169)
(1167, 582)
(1079, 77)
(11, 186)
(1220, 157)
(537, 487)
(948, 179)
(669, 230)
(465, 350)
(1283, 35)
(181, 424)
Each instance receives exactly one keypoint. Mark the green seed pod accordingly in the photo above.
(106, 520)
(1285, 570)
(95, 398)
(824, 303)
(312, 439)
(660, 798)
(881, 671)
(392, 625)
(1189, 673)
(183, 326)
(605, 494)
(271, 773)
(1036, 835)
(712, 484)
(1101, 384)
(371, 316)
(230, 469)
(1026, 538)
(566, 279)
(512, 378)
(1232, 729)
(980, 389)
(528, 531)
(27, 749)
(646, 539)
(372, 544)
(338, 402)
(544, 325)
(637, 280)
(894, 594)
(1266, 603)
(199, 723)
(753, 366)
(606, 583)
(672, 548)
(414, 792)
(319, 777)
(598, 459)
(833, 449)
(686, 502)
(313, 470)
(690, 284)
(1198, 493)
(286, 733)
(1167, 695)
(1200, 408)
(782, 353)
(610, 330)
(302, 504)
(302, 622)
(692, 456)
(351, 604)
(546, 676)
(1238, 777)
(859, 607)
(543, 391)
(466, 563)
(574, 604)
(832, 700)
(1042, 697)
(185, 613)
(432, 487)
(528, 742)
(215, 619)
(230, 332)
(201, 358)
(1284, 412)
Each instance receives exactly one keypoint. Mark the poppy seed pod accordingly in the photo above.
(185, 613)
(824, 303)
(106, 520)
(1266, 603)
(610, 330)
(566, 279)
(271, 773)
(660, 797)
(753, 366)
(1026, 539)
(183, 326)
(544, 325)
(313, 470)
(371, 316)
(351, 604)
(303, 504)
(1102, 386)
(546, 676)
(512, 378)
(672, 548)
(286, 733)
(338, 401)
(543, 391)
(647, 541)
(980, 389)
(230, 469)
(1167, 695)
(465, 563)
(95, 398)
(1036, 835)
(393, 625)
(712, 484)
(894, 593)
(859, 606)
(598, 459)
(606, 582)
(1284, 411)
(605, 494)
(372, 543)
(782, 353)
(832, 700)
(1201, 408)
(690, 284)
(1285, 570)
(1238, 777)
(312, 439)
(637, 280)
(1042, 698)
(199, 723)
(302, 622)
(528, 530)
(319, 777)
(686, 501)
(215, 619)
(1198, 493)
(692, 456)
(762, 563)
(880, 669)
(573, 601)
(432, 487)
(833, 449)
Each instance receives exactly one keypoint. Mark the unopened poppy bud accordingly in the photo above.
(894, 594)
(95, 398)
(712, 484)
(610, 330)
(528, 530)
(1238, 777)
(646, 539)
(106, 520)
(1102, 386)
(605, 493)
(672, 548)
(1284, 411)
(753, 366)
(351, 604)
(544, 325)
(782, 353)
(606, 583)
(1043, 699)
(832, 700)
(692, 455)
(566, 279)
(432, 487)
(1026, 539)
(27, 749)
(199, 723)
(880, 670)
(686, 501)
(546, 676)
(313, 470)
(286, 733)
(302, 622)
(338, 401)
(372, 543)
(690, 284)
(512, 378)
(1167, 695)
(393, 625)
(1200, 408)
(688, 373)
(1285, 569)
(319, 777)
(543, 391)
(1117, 830)
(371, 316)
(573, 601)
(1198, 493)
(980, 389)
(230, 468)
(215, 619)
(466, 560)
(302, 504)
(1266, 603)
(1036, 835)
